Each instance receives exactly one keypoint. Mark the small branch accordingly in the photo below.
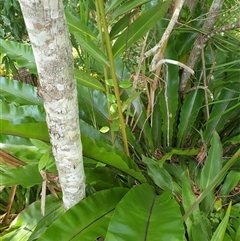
(158, 48)
(170, 61)
(203, 88)
(196, 51)
(205, 84)
(221, 29)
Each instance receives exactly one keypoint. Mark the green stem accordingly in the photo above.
(104, 67)
(114, 77)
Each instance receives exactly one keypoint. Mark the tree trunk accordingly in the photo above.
(49, 36)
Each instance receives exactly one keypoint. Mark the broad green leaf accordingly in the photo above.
(76, 25)
(102, 177)
(189, 112)
(92, 49)
(221, 229)
(157, 123)
(104, 129)
(213, 163)
(113, 108)
(87, 80)
(145, 22)
(127, 6)
(85, 38)
(43, 161)
(30, 130)
(90, 131)
(131, 98)
(138, 108)
(188, 197)
(231, 181)
(160, 176)
(88, 219)
(109, 155)
(94, 106)
(26, 176)
(201, 227)
(19, 52)
(16, 91)
(125, 84)
(180, 152)
(30, 223)
(150, 217)
(215, 181)
(212, 166)
(22, 114)
(133, 143)
(41, 145)
(218, 117)
(112, 4)
(168, 98)
(121, 25)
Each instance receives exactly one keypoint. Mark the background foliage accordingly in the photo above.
(174, 173)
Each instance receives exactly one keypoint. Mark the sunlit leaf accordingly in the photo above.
(26, 176)
(140, 26)
(152, 217)
(16, 91)
(30, 223)
(96, 209)
(21, 53)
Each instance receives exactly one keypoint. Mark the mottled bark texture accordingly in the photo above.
(48, 33)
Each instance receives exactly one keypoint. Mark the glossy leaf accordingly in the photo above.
(221, 229)
(30, 130)
(140, 26)
(26, 176)
(212, 167)
(120, 25)
(160, 176)
(216, 180)
(19, 52)
(188, 197)
(76, 25)
(153, 217)
(231, 181)
(141, 118)
(168, 98)
(16, 91)
(218, 118)
(41, 145)
(127, 6)
(157, 123)
(201, 227)
(180, 152)
(22, 114)
(30, 223)
(94, 106)
(88, 219)
(87, 80)
(92, 49)
(112, 4)
(102, 178)
(213, 162)
(189, 112)
(109, 155)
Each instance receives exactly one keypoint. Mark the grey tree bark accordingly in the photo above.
(198, 44)
(49, 36)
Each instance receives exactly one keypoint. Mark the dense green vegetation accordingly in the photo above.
(160, 164)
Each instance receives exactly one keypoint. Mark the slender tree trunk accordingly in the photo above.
(49, 36)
